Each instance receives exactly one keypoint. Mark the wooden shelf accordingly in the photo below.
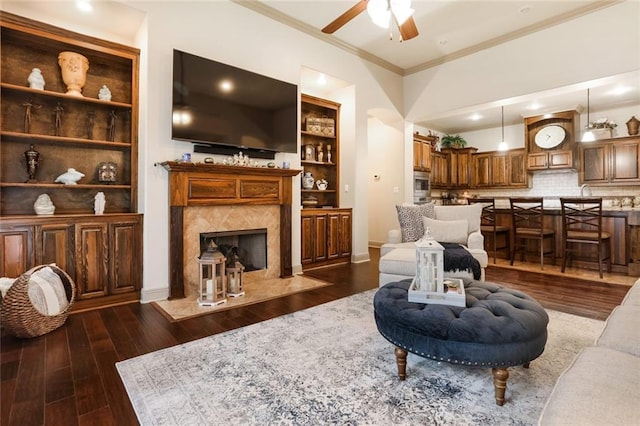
(35, 138)
(62, 186)
(64, 96)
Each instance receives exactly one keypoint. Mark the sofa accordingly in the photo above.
(602, 384)
(451, 224)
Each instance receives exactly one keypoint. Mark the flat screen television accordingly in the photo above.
(223, 109)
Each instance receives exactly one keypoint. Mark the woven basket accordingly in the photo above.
(21, 319)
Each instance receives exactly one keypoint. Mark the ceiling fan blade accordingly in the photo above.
(408, 30)
(341, 20)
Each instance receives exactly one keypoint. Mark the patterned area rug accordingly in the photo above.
(329, 365)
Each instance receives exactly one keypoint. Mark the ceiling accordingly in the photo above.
(449, 29)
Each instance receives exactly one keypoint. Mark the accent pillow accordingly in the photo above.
(410, 218)
(46, 292)
(447, 231)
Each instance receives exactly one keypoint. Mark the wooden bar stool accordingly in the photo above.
(489, 226)
(527, 216)
(582, 224)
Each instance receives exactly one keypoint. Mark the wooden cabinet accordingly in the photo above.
(610, 162)
(558, 154)
(102, 256)
(325, 237)
(500, 169)
(98, 138)
(440, 169)
(422, 152)
(320, 150)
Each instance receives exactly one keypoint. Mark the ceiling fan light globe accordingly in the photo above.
(401, 9)
(379, 12)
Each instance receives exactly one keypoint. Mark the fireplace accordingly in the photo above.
(219, 198)
(250, 246)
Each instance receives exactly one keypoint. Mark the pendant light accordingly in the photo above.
(503, 145)
(588, 134)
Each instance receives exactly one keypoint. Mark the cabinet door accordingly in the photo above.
(345, 234)
(517, 168)
(125, 264)
(320, 230)
(425, 156)
(625, 158)
(594, 164)
(560, 159)
(499, 170)
(482, 170)
(333, 236)
(439, 169)
(91, 260)
(16, 251)
(537, 161)
(417, 155)
(54, 245)
(308, 239)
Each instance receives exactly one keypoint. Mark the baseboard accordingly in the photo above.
(147, 296)
(296, 269)
(359, 258)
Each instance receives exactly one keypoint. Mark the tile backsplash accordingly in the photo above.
(552, 185)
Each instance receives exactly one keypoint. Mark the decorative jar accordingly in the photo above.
(308, 180)
(74, 68)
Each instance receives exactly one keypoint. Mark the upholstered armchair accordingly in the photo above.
(446, 224)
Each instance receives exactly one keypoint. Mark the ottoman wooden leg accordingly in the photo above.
(401, 360)
(500, 376)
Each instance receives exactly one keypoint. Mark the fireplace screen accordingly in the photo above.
(251, 246)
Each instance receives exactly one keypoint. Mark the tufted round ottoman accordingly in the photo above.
(499, 328)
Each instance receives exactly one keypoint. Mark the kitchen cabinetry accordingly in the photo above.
(610, 162)
(320, 150)
(422, 152)
(460, 160)
(326, 237)
(440, 169)
(550, 140)
(500, 169)
(97, 137)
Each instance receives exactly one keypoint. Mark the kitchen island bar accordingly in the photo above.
(622, 224)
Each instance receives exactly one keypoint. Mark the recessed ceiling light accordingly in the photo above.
(525, 9)
(534, 106)
(443, 41)
(226, 86)
(475, 117)
(322, 79)
(84, 5)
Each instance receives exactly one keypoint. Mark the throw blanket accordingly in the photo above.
(458, 258)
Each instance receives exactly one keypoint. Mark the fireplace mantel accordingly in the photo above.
(200, 184)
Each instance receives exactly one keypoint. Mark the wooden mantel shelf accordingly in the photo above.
(180, 166)
(200, 184)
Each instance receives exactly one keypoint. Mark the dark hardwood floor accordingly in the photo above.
(68, 377)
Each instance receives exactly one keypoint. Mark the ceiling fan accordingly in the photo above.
(382, 12)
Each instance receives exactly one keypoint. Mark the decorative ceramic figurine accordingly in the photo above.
(44, 205)
(328, 153)
(70, 177)
(98, 205)
(308, 180)
(105, 93)
(321, 184)
(35, 79)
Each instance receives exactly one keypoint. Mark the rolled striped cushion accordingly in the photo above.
(46, 292)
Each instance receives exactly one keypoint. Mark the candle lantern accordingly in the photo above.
(429, 266)
(213, 287)
(235, 269)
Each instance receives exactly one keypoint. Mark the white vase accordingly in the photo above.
(74, 68)
(308, 181)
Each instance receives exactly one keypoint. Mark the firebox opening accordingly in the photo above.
(251, 246)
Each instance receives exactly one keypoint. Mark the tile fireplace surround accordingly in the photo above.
(212, 198)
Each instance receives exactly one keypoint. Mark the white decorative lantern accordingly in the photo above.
(429, 266)
(213, 286)
(235, 284)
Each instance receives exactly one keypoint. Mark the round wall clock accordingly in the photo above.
(550, 136)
